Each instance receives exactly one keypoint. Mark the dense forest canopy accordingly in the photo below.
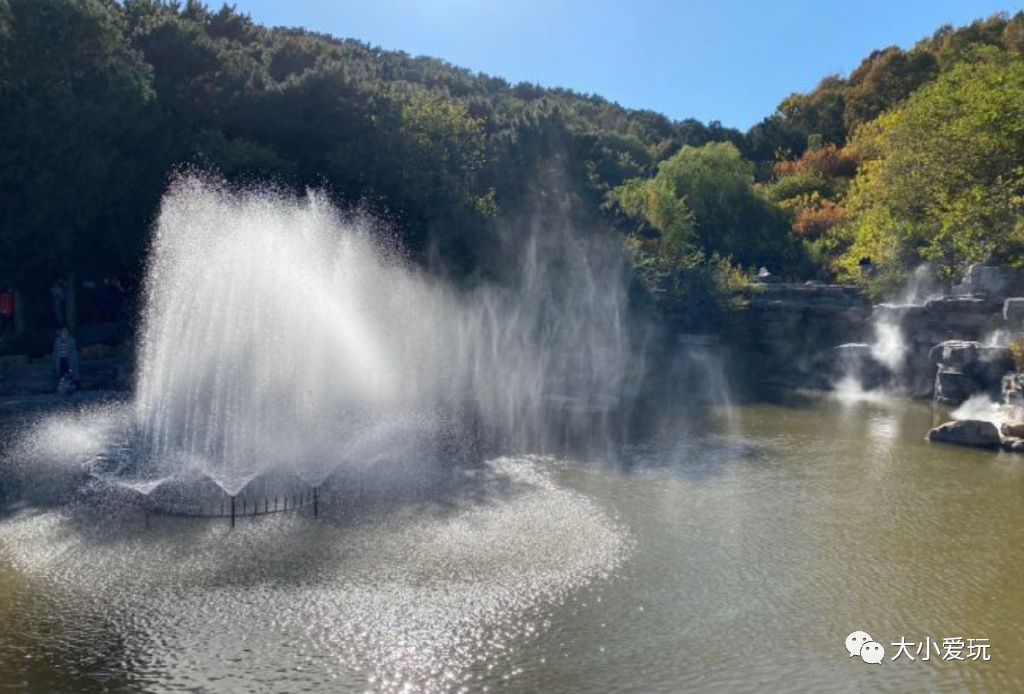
(915, 156)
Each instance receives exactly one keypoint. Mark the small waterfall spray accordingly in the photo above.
(880, 365)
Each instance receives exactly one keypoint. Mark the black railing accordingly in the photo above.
(234, 507)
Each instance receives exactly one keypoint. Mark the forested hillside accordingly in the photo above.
(99, 101)
(916, 155)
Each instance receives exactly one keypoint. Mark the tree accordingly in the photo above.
(1013, 34)
(442, 148)
(76, 116)
(812, 186)
(819, 112)
(942, 179)
(704, 199)
(884, 80)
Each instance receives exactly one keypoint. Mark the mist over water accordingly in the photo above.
(281, 335)
(889, 346)
(879, 367)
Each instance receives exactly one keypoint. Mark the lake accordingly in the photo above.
(729, 553)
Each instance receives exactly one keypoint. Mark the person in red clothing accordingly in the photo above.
(6, 309)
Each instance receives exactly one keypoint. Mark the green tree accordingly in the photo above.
(704, 199)
(77, 114)
(442, 149)
(819, 112)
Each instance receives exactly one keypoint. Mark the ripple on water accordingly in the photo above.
(431, 597)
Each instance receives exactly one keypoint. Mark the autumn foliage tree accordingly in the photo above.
(884, 80)
(811, 187)
(942, 180)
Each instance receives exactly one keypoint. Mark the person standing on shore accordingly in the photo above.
(65, 361)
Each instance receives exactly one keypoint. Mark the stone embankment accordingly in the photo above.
(811, 336)
(967, 368)
(787, 334)
(101, 367)
(950, 346)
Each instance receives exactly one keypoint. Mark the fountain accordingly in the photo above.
(290, 358)
(284, 341)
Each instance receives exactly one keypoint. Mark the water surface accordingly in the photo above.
(735, 557)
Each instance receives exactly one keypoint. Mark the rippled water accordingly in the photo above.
(733, 559)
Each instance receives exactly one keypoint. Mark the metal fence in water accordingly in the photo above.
(234, 507)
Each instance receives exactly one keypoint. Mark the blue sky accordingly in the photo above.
(721, 60)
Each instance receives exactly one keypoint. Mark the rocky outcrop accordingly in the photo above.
(967, 432)
(966, 368)
(814, 335)
(962, 315)
(1012, 429)
(941, 319)
(1013, 314)
(990, 281)
(954, 387)
(791, 331)
(1013, 393)
(856, 360)
(902, 337)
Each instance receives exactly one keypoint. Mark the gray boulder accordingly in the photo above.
(1013, 390)
(967, 368)
(967, 432)
(953, 387)
(955, 353)
(1013, 314)
(990, 281)
(993, 363)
